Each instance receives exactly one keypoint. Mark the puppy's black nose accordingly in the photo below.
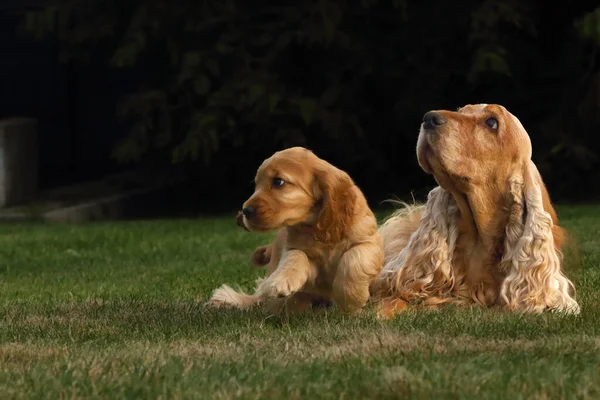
(432, 120)
(249, 212)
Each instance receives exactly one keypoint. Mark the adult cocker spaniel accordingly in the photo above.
(488, 234)
(327, 245)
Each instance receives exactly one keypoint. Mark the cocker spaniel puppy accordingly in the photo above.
(487, 234)
(327, 245)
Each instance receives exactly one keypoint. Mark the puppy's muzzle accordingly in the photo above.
(249, 212)
(240, 221)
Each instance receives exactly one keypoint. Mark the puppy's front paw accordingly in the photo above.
(226, 297)
(223, 297)
(215, 303)
(261, 256)
(281, 287)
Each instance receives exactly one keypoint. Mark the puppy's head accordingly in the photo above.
(293, 188)
(283, 194)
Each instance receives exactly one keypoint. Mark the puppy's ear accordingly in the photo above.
(335, 190)
(532, 260)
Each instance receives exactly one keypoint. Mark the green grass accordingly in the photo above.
(114, 310)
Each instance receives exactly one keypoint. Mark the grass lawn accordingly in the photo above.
(114, 310)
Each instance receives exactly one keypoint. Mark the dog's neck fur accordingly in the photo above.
(484, 210)
(483, 216)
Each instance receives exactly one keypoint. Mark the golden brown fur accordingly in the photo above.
(327, 245)
(488, 233)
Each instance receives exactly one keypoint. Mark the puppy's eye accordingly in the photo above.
(492, 123)
(278, 182)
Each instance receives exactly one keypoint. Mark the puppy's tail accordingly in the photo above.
(262, 256)
(227, 297)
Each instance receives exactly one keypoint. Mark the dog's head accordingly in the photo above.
(296, 188)
(473, 146)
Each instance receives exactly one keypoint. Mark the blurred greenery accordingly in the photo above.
(221, 84)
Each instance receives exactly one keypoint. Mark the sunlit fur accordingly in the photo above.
(487, 235)
(327, 245)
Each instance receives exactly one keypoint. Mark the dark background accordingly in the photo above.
(208, 89)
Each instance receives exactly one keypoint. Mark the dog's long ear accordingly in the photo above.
(335, 190)
(563, 241)
(423, 268)
(532, 259)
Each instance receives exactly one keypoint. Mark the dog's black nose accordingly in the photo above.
(432, 120)
(249, 212)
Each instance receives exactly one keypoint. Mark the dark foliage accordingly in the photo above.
(222, 84)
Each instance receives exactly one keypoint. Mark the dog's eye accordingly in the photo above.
(278, 182)
(492, 123)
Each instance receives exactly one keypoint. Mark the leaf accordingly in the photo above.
(274, 100)
(141, 104)
(212, 66)
(498, 64)
(203, 120)
(556, 149)
(588, 26)
(238, 141)
(124, 56)
(262, 40)
(355, 123)
(230, 122)
(284, 40)
(329, 31)
(48, 18)
(127, 54)
(177, 154)
(133, 146)
(583, 154)
(488, 60)
(332, 121)
(202, 85)
(191, 59)
(201, 139)
(308, 108)
(255, 93)
(331, 15)
(206, 150)
(329, 96)
(224, 48)
(214, 139)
